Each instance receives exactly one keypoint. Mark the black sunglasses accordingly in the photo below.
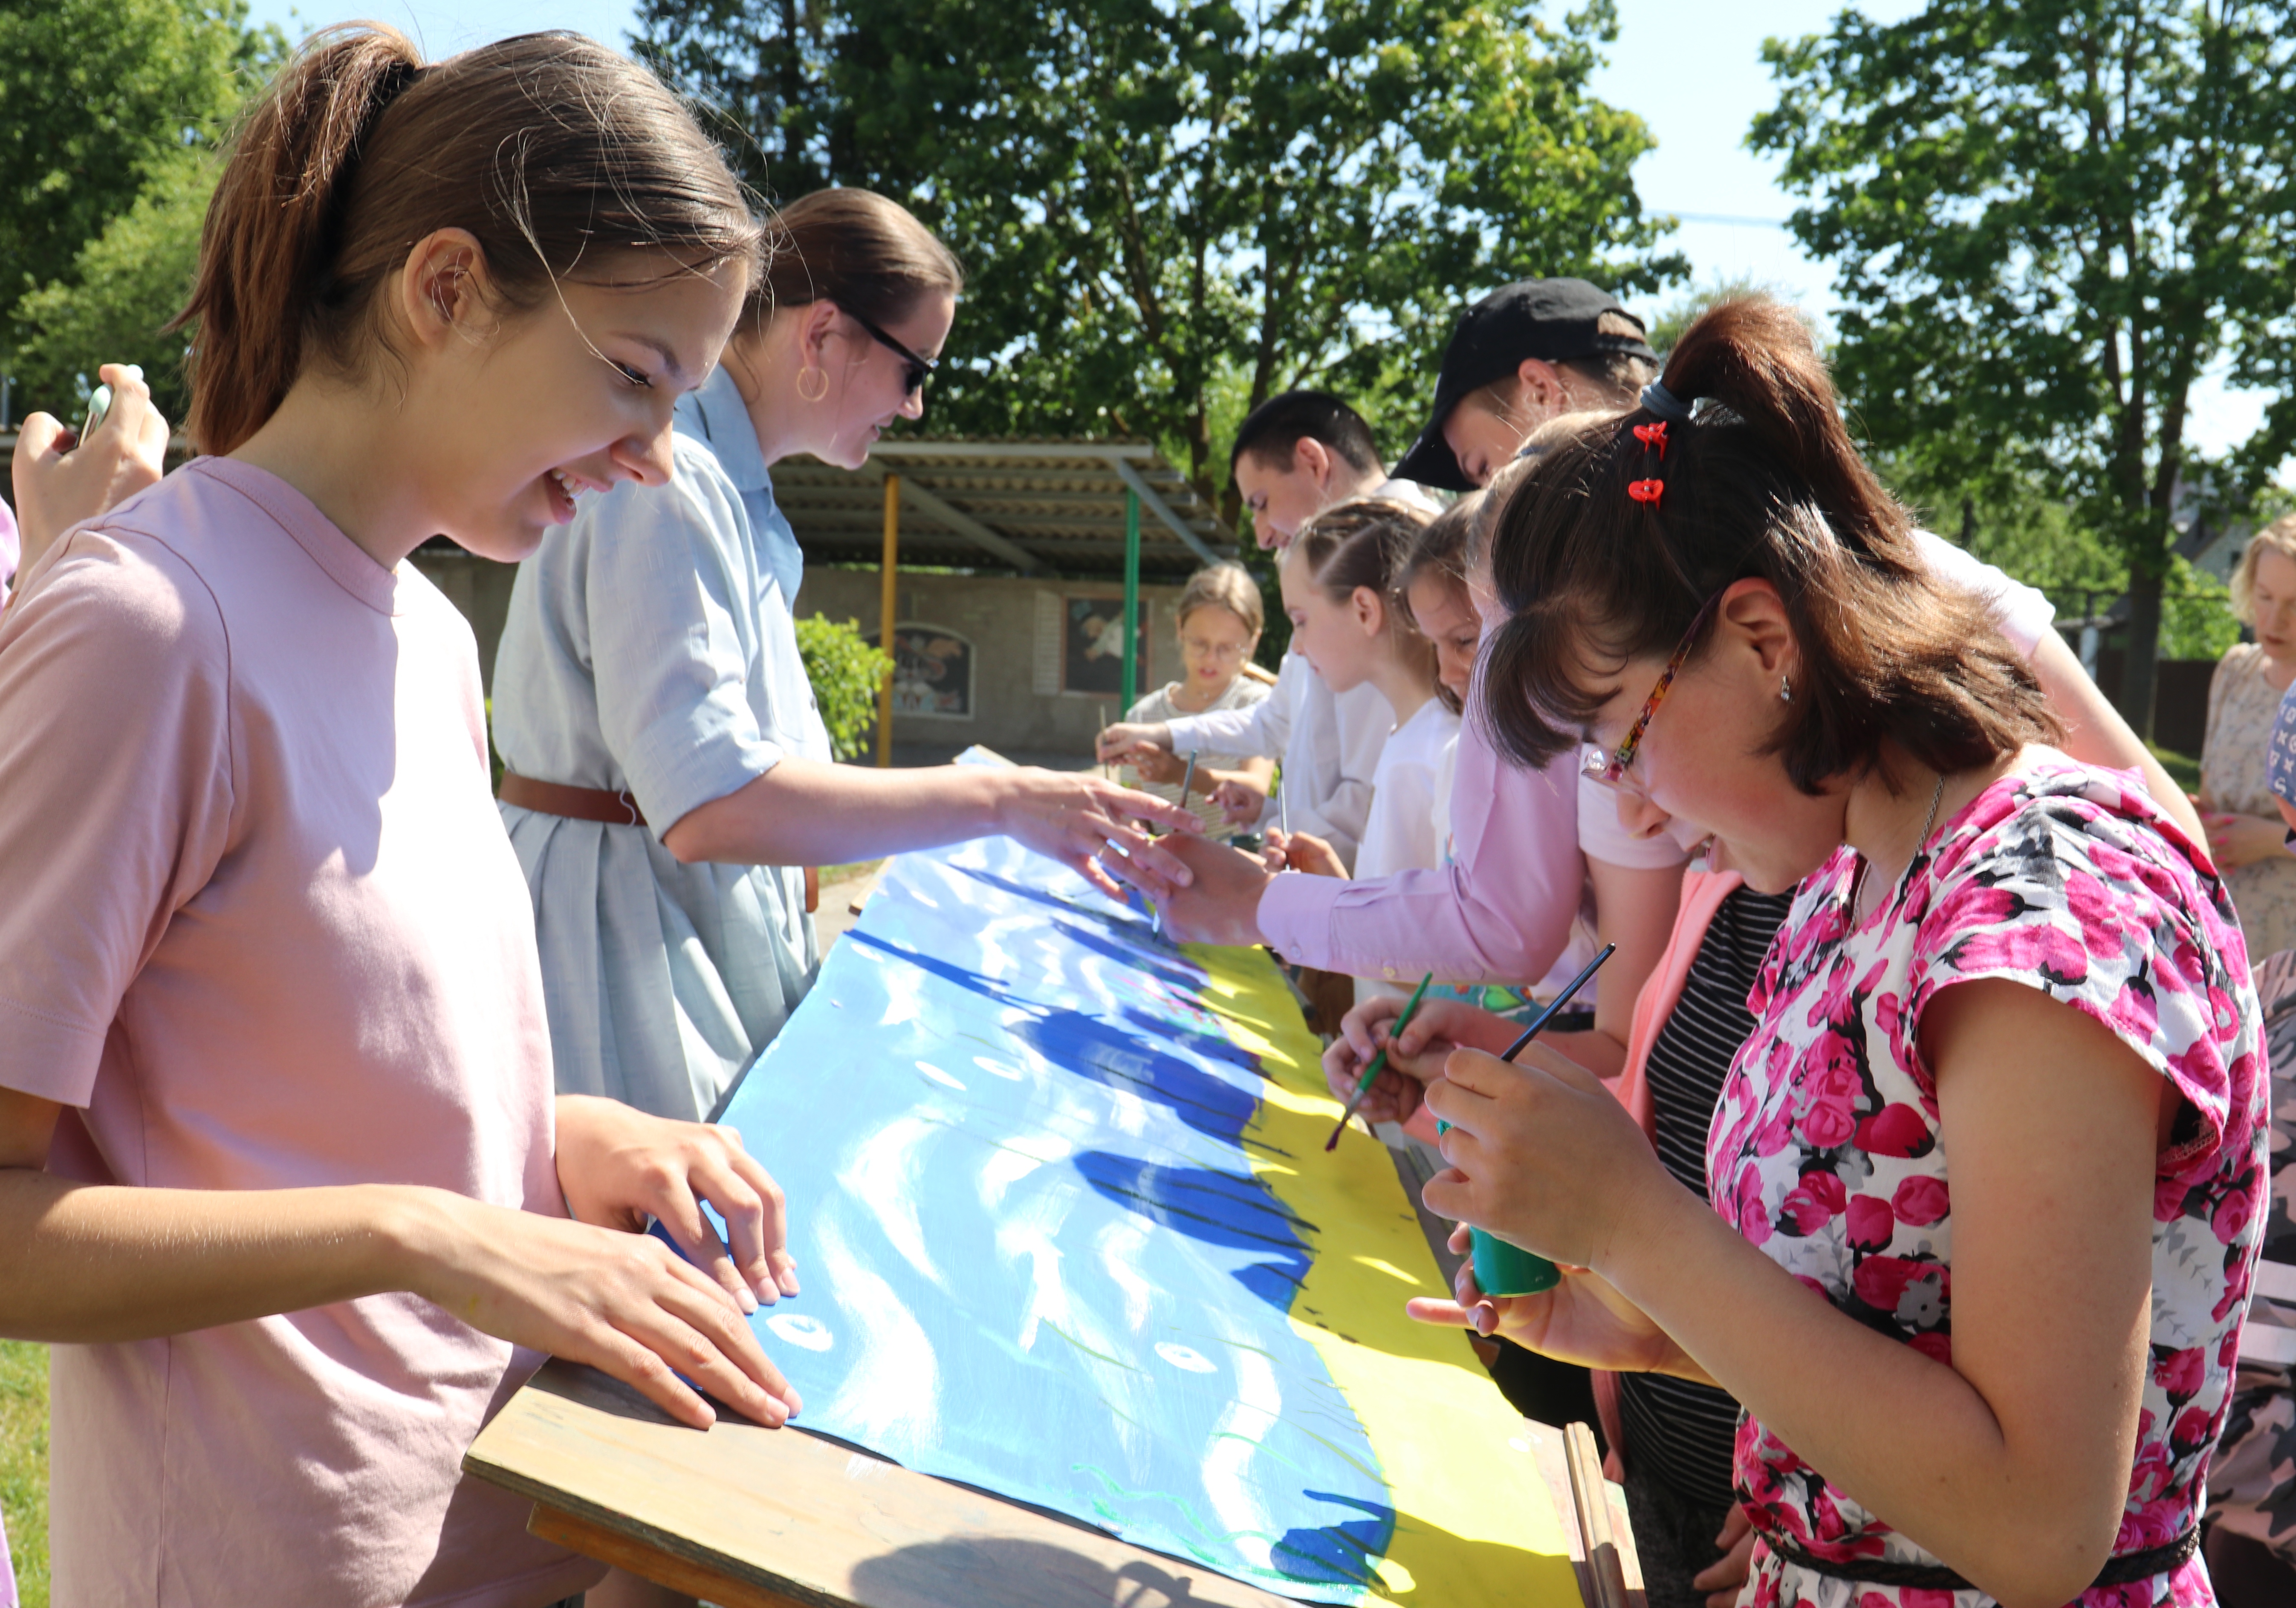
(919, 369)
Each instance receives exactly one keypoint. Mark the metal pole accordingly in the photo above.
(891, 570)
(1131, 599)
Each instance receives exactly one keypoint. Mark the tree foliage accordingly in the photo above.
(1171, 209)
(846, 672)
(2050, 220)
(124, 287)
(96, 97)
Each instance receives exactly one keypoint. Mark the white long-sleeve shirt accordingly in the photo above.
(1330, 748)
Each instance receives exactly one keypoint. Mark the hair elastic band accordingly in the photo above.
(1665, 403)
(1653, 436)
(1646, 491)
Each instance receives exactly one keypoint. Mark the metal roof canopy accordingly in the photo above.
(1042, 507)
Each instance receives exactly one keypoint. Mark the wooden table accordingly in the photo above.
(748, 1517)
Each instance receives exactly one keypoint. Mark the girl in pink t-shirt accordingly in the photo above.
(282, 1179)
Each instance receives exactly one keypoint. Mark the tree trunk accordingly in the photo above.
(2138, 667)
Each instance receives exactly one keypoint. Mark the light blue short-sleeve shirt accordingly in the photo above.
(650, 647)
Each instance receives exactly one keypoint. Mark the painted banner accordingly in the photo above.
(1067, 1232)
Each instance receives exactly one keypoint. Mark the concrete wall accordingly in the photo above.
(1003, 618)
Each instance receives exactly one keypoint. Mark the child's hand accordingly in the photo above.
(1395, 1095)
(57, 486)
(1304, 852)
(1118, 742)
(1239, 799)
(1436, 1029)
(1152, 763)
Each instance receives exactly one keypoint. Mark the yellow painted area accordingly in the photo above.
(1474, 1522)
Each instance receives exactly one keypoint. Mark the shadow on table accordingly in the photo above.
(1017, 1574)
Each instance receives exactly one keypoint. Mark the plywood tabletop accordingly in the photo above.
(805, 1519)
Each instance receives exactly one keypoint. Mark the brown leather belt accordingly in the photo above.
(607, 807)
(600, 804)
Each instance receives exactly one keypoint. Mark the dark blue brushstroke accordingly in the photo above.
(1108, 1055)
(1169, 968)
(1217, 1208)
(1341, 1551)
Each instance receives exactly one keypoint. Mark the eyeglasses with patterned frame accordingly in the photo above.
(1610, 768)
(919, 369)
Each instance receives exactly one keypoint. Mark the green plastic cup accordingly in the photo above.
(1502, 1268)
(1505, 1269)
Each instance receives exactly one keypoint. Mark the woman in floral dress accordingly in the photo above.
(2246, 837)
(1987, 1176)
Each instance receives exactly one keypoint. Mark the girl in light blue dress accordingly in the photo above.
(667, 770)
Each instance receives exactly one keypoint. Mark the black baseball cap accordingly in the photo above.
(1555, 320)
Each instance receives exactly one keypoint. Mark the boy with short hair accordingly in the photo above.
(1527, 353)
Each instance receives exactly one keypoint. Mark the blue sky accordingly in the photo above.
(1691, 69)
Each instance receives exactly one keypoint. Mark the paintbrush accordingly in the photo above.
(1188, 779)
(1283, 807)
(1107, 770)
(1561, 999)
(1378, 1062)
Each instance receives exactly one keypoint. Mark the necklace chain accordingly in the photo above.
(1929, 822)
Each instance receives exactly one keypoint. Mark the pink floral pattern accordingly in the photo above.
(1826, 1153)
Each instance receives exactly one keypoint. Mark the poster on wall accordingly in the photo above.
(1092, 659)
(933, 672)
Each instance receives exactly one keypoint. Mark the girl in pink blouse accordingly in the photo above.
(282, 1179)
(1987, 1176)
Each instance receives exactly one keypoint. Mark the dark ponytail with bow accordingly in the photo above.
(1738, 465)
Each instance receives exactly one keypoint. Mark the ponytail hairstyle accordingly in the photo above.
(855, 248)
(1737, 465)
(560, 156)
(1367, 541)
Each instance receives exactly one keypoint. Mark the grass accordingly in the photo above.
(2183, 768)
(24, 1463)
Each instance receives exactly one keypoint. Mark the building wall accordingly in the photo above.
(1005, 621)
(1002, 618)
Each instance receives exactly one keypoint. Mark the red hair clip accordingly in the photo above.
(1653, 436)
(1645, 491)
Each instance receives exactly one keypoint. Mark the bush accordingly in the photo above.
(846, 673)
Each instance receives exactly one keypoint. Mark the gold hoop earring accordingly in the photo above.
(821, 383)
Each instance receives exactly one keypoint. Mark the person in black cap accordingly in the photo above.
(1525, 353)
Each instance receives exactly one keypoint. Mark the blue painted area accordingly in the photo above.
(1034, 1254)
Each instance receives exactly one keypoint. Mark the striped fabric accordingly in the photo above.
(1679, 1432)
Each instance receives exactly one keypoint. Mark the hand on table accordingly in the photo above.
(623, 1302)
(1073, 817)
(61, 481)
(1221, 904)
(2238, 840)
(620, 1168)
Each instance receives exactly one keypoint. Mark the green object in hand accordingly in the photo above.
(1507, 1270)
(1378, 1062)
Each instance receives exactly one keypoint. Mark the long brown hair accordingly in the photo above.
(1762, 480)
(557, 154)
(855, 247)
